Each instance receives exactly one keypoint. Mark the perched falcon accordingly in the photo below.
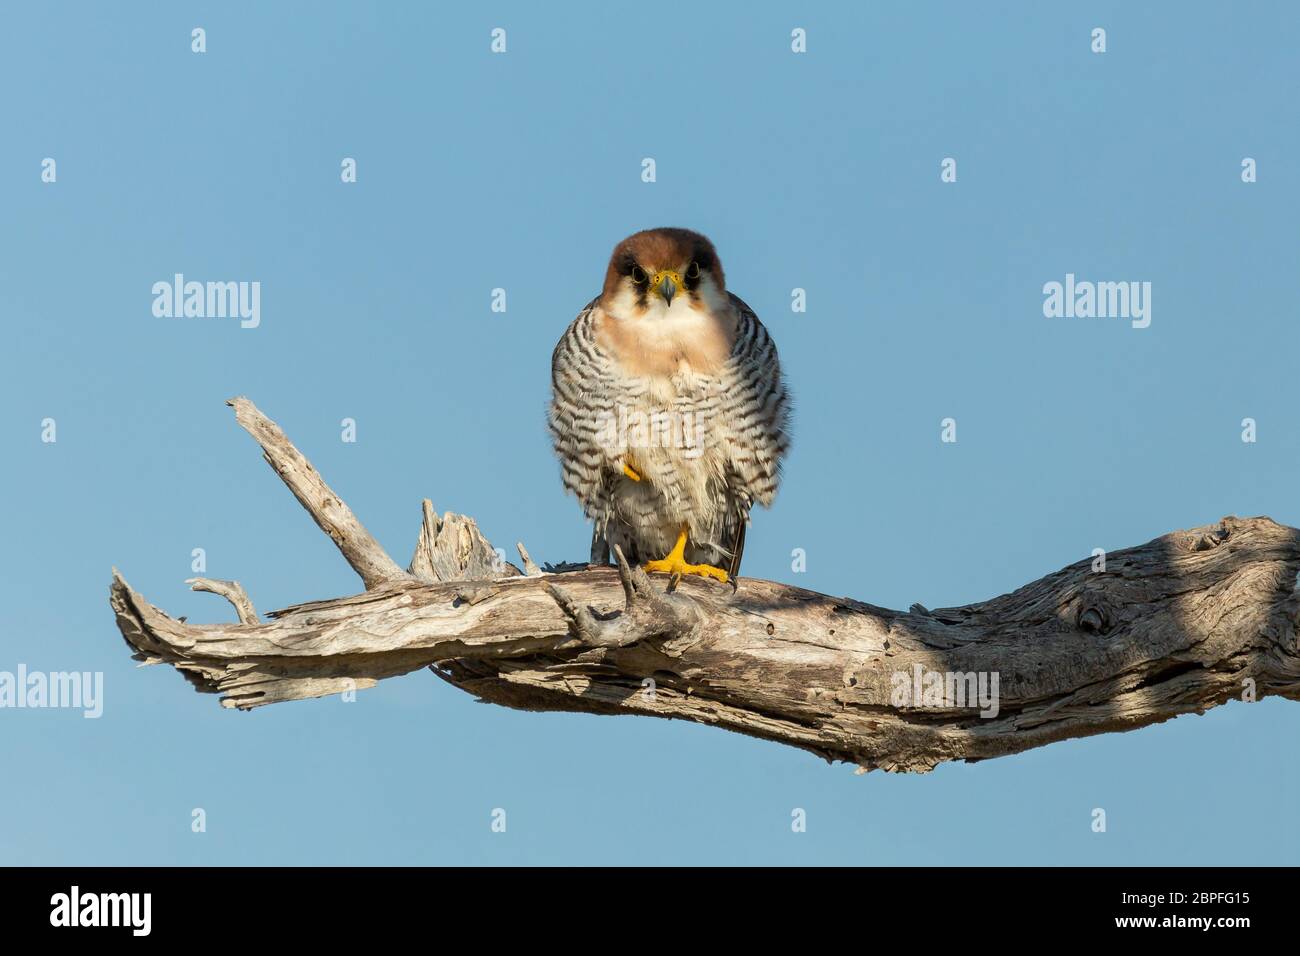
(668, 409)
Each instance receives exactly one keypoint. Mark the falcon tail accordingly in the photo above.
(737, 550)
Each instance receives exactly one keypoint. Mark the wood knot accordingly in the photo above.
(1206, 540)
(472, 594)
(1094, 615)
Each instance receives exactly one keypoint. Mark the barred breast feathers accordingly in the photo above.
(741, 402)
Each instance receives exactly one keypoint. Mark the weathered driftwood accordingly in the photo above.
(1178, 625)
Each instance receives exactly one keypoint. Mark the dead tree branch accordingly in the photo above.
(233, 592)
(336, 519)
(1175, 626)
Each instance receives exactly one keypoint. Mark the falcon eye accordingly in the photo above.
(693, 271)
(638, 274)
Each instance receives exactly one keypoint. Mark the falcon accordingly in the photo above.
(669, 412)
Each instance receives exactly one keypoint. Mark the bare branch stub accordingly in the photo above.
(233, 592)
(1183, 623)
(647, 612)
(452, 548)
(530, 566)
(327, 509)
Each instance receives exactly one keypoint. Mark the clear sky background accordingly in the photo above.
(521, 171)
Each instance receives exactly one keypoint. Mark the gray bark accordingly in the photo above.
(1175, 626)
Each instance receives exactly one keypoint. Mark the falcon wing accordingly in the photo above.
(580, 395)
(756, 416)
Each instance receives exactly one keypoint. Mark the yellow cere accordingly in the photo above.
(660, 276)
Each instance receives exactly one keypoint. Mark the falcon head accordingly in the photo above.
(663, 273)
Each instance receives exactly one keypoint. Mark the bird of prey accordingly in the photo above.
(669, 413)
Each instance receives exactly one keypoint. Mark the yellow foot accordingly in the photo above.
(670, 566)
(675, 563)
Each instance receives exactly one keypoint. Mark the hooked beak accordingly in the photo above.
(668, 284)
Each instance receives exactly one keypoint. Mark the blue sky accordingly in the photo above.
(521, 171)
